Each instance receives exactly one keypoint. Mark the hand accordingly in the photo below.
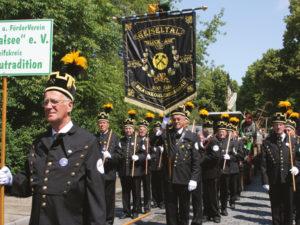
(161, 149)
(165, 122)
(5, 176)
(148, 157)
(135, 157)
(294, 170)
(192, 185)
(106, 155)
(266, 187)
(226, 156)
(158, 133)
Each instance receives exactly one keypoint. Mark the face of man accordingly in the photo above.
(143, 131)
(279, 128)
(222, 133)
(248, 119)
(290, 131)
(103, 125)
(57, 108)
(128, 130)
(179, 121)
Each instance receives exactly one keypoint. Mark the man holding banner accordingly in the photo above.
(64, 170)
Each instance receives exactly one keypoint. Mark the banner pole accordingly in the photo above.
(3, 135)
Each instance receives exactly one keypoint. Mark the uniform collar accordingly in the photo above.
(65, 129)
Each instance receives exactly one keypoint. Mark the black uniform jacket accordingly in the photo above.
(275, 160)
(110, 164)
(127, 149)
(65, 178)
(236, 154)
(181, 158)
(212, 157)
(156, 143)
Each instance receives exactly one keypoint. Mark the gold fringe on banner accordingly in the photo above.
(154, 109)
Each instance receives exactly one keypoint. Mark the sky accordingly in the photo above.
(252, 27)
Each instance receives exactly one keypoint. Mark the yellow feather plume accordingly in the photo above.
(285, 104)
(203, 112)
(73, 57)
(234, 120)
(149, 115)
(131, 112)
(107, 106)
(224, 116)
(294, 115)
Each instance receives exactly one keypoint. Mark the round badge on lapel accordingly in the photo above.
(70, 151)
(216, 148)
(63, 162)
(99, 166)
(287, 144)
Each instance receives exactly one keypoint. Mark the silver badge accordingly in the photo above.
(70, 151)
(63, 162)
(216, 148)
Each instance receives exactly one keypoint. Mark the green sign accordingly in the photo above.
(26, 47)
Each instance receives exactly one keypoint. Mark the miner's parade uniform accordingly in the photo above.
(131, 169)
(109, 146)
(181, 170)
(157, 190)
(64, 170)
(276, 171)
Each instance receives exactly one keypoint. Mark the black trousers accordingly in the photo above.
(131, 185)
(297, 203)
(228, 188)
(281, 197)
(211, 197)
(197, 205)
(177, 204)
(146, 180)
(157, 187)
(110, 191)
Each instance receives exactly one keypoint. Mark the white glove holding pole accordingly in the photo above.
(148, 157)
(294, 170)
(5, 176)
(266, 187)
(161, 149)
(226, 157)
(106, 154)
(165, 122)
(135, 157)
(192, 185)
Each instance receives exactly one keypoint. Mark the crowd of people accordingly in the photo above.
(161, 162)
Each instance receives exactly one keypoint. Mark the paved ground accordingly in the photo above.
(253, 208)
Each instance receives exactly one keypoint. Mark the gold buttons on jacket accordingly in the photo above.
(73, 174)
(44, 204)
(45, 187)
(49, 163)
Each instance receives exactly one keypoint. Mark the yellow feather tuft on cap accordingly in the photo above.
(224, 116)
(132, 112)
(294, 115)
(73, 57)
(107, 106)
(203, 113)
(285, 104)
(149, 115)
(234, 120)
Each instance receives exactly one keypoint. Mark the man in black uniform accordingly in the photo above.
(144, 143)
(64, 170)
(131, 168)
(181, 168)
(156, 143)
(276, 171)
(109, 146)
(211, 173)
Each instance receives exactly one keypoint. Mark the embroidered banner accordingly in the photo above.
(159, 60)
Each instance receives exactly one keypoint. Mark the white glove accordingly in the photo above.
(158, 133)
(266, 187)
(192, 185)
(5, 176)
(135, 158)
(165, 122)
(161, 149)
(148, 157)
(294, 170)
(106, 154)
(226, 156)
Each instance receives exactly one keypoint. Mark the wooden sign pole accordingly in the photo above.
(3, 139)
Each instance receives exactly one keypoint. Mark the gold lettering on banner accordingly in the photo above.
(158, 30)
(168, 92)
(189, 19)
(159, 44)
(186, 58)
(134, 64)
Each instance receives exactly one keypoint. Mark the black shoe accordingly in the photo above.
(224, 212)
(205, 219)
(124, 215)
(154, 205)
(232, 205)
(135, 215)
(217, 219)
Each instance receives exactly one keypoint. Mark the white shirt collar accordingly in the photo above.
(180, 130)
(283, 135)
(65, 129)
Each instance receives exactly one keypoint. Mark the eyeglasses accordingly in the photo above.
(53, 102)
